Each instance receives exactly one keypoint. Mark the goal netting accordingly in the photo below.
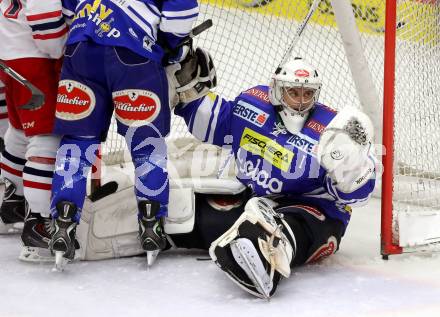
(249, 38)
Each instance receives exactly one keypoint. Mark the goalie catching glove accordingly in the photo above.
(256, 251)
(345, 149)
(192, 78)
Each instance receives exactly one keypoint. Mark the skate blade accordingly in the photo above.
(60, 262)
(151, 257)
(247, 258)
(31, 254)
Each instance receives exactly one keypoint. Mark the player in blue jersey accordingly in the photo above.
(114, 62)
(304, 165)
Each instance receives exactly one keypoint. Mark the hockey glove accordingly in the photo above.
(345, 149)
(191, 79)
(255, 252)
(180, 54)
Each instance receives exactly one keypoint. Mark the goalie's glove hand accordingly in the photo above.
(192, 78)
(255, 252)
(345, 149)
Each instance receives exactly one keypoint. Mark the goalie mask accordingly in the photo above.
(294, 89)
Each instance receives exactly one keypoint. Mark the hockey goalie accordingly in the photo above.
(300, 167)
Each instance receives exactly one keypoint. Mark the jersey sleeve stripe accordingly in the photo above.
(51, 35)
(214, 119)
(44, 16)
(48, 25)
(153, 9)
(181, 14)
(202, 118)
(182, 17)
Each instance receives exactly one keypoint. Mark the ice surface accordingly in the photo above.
(354, 282)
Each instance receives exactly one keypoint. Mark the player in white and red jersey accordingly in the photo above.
(3, 116)
(32, 35)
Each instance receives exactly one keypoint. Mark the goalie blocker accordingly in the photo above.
(254, 241)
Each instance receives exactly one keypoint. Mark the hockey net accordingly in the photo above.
(248, 40)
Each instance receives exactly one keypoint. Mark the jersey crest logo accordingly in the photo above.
(315, 126)
(250, 113)
(268, 149)
(75, 100)
(134, 107)
(258, 93)
(324, 251)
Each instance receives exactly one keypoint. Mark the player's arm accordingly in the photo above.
(345, 151)
(177, 19)
(208, 118)
(49, 29)
(69, 7)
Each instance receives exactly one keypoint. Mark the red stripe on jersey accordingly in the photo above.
(3, 116)
(37, 185)
(42, 160)
(11, 170)
(42, 16)
(2, 89)
(51, 35)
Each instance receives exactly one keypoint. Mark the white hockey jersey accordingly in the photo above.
(31, 28)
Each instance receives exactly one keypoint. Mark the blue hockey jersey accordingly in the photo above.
(268, 158)
(143, 26)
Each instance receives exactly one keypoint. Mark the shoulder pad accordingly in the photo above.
(257, 94)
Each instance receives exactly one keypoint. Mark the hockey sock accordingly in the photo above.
(37, 182)
(12, 169)
(74, 160)
(151, 175)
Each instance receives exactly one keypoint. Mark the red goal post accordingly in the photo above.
(411, 183)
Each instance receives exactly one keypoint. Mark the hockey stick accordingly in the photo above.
(37, 97)
(186, 40)
(298, 33)
(194, 32)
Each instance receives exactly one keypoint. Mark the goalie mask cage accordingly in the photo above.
(350, 43)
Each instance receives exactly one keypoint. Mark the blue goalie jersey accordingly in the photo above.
(268, 158)
(143, 26)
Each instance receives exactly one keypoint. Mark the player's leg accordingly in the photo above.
(140, 98)
(40, 150)
(262, 245)
(4, 123)
(37, 181)
(83, 114)
(12, 210)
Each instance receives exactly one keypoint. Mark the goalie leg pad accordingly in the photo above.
(317, 235)
(256, 250)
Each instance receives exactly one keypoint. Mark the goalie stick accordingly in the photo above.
(298, 33)
(37, 97)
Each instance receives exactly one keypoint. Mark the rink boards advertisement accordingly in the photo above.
(414, 17)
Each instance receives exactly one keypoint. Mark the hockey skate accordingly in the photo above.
(151, 230)
(35, 238)
(63, 242)
(12, 210)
